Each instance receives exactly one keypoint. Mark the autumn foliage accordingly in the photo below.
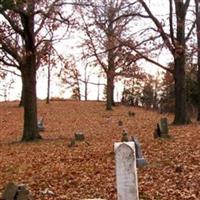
(52, 170)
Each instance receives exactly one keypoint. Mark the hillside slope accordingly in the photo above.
(88, 170)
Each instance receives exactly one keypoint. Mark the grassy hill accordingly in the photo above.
(88, 170)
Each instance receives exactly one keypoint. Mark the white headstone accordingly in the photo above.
(126, 171)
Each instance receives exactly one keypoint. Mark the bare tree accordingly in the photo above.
(175, 42)
(197, 9)
(70, 76)
(22, 35)
(104, 23)
(86, 79)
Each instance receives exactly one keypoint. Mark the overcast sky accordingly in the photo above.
(70, 46)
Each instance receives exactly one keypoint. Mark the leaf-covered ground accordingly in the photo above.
(88, 170)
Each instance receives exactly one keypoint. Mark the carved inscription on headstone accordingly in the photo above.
(127, 185)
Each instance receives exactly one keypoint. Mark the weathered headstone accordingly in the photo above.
(79, 136)
(140, 161)
(163, 125)
(120, 123)
(126, 171)
(131, 114)
(162, 129)
(40, 124)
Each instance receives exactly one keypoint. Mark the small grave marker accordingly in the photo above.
(162, 130)
(120, 123)
(124, 137)
(40, 124)
(72, 142)
(131, 114)
(79, 136)
(126, 171)
(163, 125)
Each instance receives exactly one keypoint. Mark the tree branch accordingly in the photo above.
(159, 26)
(16, 28)
(10, 71)
(190, 31)
(171, 22)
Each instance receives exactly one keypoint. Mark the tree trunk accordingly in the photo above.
(28, 70)
(110, 75)
(86, 89)
(85, 82)
(21, 103)
(98, 89)
(30, 131)
(113, 87)
(198, 80)
(109, 91)
(48, 83)
(197, 5)
(181, 115)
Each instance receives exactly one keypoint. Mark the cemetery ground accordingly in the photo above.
(52, 170)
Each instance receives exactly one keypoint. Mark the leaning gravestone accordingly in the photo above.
(127, 183)
(140, 161)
